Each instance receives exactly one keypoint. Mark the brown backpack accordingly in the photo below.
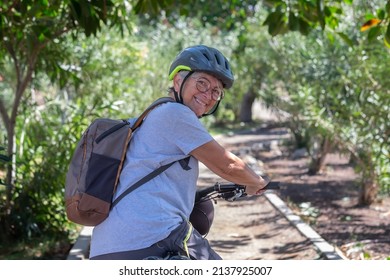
(96, 165)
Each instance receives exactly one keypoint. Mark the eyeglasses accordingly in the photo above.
(204, 85)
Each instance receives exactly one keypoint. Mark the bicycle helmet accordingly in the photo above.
(204, 59)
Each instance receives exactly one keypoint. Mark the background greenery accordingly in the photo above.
(323, 64)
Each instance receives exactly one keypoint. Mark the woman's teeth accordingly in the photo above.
(200, 102)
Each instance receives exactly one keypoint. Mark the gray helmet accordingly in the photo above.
(204, 59)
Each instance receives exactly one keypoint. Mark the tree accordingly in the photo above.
(305, 16)
(336, 97)
(32, 33)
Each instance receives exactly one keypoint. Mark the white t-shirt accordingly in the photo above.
(148, 214)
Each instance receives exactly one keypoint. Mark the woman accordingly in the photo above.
(153, 221)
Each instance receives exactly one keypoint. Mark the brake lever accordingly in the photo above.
(236, 194)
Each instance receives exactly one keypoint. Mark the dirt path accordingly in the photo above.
(254, 229)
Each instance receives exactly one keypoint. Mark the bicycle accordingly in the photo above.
(201, 218)
(202, 215)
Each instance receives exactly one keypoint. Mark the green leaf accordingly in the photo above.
(330, 37)
(293, 22)
(304, 27)
(373, 33)
(41, 37)
(381, 14)
(327, 12)
(345, 38)
(275, 22)
(321, 14)
(5, 158)
(387, 36)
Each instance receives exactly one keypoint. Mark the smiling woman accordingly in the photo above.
(213, 66)
(154, 221)
(203, 91)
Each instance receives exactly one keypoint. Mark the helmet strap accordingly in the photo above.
(179, 96)
(178, 100)
(212, 110)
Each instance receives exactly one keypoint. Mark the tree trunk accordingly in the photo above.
(318, 159)
(10, 120)
(246, 107)
(369, 189)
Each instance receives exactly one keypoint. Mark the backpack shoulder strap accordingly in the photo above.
(142, 181)
(141, 118)
(159, 170)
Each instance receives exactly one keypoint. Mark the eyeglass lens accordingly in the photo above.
(204, 85)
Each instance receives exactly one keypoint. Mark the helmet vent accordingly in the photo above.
(206, 56)
(217, 59)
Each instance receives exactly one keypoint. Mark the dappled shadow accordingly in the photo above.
(278, 222)
(321, 191)
(290, 250)
(230, 245)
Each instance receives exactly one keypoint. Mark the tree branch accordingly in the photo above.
(4, 114)
(12, 6)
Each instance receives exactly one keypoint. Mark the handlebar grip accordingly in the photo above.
(272, 186)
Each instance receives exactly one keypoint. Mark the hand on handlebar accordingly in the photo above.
(259, 188)
(270, 185)
(266, 179)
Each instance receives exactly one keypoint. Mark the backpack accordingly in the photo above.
(96, 165)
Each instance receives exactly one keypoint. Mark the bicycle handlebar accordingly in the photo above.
(230, 191)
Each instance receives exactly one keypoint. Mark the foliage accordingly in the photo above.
(283, 16)
(33, 36)
(29, 27)
(305, 16)
(337, 94)
(51, 124)
(3, 160)
(220, 14)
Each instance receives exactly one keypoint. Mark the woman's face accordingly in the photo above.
(201, 92)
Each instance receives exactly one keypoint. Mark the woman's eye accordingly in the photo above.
(203, 84)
